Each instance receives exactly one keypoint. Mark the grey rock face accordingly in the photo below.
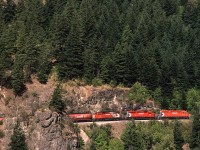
(47, 134)
(42, 133)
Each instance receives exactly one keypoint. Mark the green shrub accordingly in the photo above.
(34, 94)
(97, 82)
(1, 122)
(113, 83)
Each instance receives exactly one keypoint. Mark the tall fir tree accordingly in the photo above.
(132, 138)
(9, 11)
(124, 59)
(195, 137)
(178, 138)
(56, 103)
(18, 81)
(18, 140)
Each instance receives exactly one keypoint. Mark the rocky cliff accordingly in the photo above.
(45, 130)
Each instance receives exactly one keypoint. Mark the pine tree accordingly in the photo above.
(74, 51)
(178, 138)
(190, 13)
(91, 59)
(56, 102)
(148, 70)
(18, 140)
(43, 71)
(195, 137)
(9, 11)
(107, 71)
(132, 138)
(170, 6)
(18, 82)
(124, 60)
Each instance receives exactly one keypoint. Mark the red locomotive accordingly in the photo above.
(172, 114)
(140, 114)
(106, 116)
(81, 117)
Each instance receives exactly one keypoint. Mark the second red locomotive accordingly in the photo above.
(106, 116)
(140, 114)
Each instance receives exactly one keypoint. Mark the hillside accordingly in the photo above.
(37, 121)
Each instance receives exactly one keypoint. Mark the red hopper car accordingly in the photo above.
(81, 117)
(140, 114)
(106, 116)
(180, 114)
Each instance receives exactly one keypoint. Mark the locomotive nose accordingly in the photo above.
(117, 115)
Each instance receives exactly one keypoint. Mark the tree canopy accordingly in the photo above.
(154, 42)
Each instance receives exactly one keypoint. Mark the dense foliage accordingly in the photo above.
(101, 138)
(142, 136)
(153, 42)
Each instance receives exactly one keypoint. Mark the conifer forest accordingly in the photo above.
(120, 42)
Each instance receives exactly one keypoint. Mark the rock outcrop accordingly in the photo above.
(44, 132)
(45, 129)
(47, 133)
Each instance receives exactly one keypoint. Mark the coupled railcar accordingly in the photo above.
(80, 117)
(140, 114)
(106, 116)
(174, 114)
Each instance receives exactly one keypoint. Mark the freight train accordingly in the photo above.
(130, 114)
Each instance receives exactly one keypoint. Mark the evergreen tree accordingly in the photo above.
(100, 137)
(91, 59)
(9, 11)
(166, 65)
(193, 98)
(18, 82)
(195, 137)
(178, 138)
(107, 71)
(190, 13)
(170, 6)
(132, 138)
(124, 60)
(148, 70)
(56, 102)
(138, 93)
(74, 51)
(115, 144)
(43, 71)
(18, 140)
